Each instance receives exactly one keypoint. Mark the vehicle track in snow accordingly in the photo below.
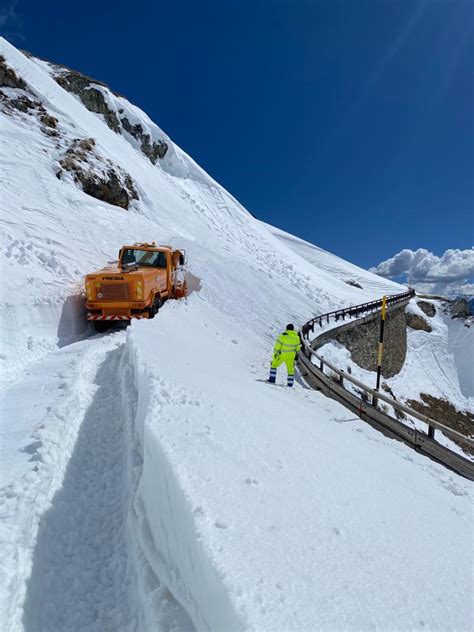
(82, 576)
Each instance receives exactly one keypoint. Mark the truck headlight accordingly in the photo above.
(139, 290)
(88, 291)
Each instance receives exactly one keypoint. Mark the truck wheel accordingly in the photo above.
(101, 325)
(157, 303)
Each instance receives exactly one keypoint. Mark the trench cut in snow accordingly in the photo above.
(82, 577)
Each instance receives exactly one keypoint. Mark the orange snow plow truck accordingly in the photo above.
(136, 285)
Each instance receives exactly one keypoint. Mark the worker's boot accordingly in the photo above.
(272, 378)
(291, 380)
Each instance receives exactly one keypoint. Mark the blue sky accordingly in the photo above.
(346, 122)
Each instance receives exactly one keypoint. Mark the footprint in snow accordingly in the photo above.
(220, 525)
(251, 481)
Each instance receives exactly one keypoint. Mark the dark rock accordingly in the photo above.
(427, 308)
(114, 187)
(8, 78)
(354, 284)
(21, 103)
(460, 308)
(417, 322)
(91, 97)
(49, 121)
(107, 189)
(152, 150)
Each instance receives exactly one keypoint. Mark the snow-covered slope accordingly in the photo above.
(150, 479)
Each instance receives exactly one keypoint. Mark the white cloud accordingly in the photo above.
(449, 274)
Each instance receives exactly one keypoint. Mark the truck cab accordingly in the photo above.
(136, 285)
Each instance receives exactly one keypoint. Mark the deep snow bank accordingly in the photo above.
(298, 515)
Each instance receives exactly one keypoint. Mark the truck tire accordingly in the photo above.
(155, 306)
(101, 326)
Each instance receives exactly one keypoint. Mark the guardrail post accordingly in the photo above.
(431, 432)
(321, 366)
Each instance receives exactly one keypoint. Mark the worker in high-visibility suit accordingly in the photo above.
(286, 347)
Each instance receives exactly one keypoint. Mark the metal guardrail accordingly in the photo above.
(355, 311)
(367, 405)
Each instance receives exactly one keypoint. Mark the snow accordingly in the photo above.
(151, 480)
(430, 366)
(286, 466)
(461, 346)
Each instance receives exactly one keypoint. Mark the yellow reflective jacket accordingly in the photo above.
(288, 342)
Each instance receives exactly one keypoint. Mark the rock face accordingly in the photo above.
(78, 158)
(8, 78)
(91, 95)
(152, 150)
(427, 308)
(418, 322)
(460, 308)
(98, 178)
(20, 100)
(362, 342)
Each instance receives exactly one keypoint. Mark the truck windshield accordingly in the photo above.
(151, 259)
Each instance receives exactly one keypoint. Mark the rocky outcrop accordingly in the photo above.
(90, 96)
(152, 150)
(460, 308)
(89, 92)
(354, 284)
(414, 321)
(362, 341)
(21, 101)
(427, 308)
(8, 78)
(99, 178)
